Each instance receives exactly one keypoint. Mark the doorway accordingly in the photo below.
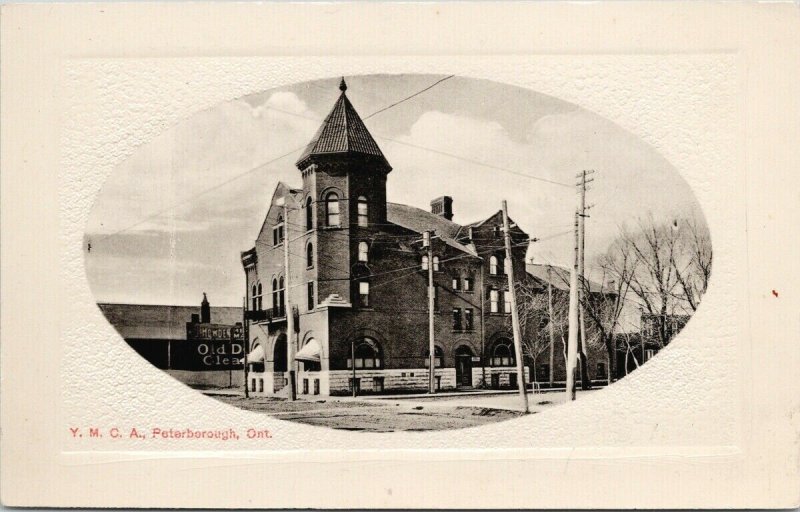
(463, 367)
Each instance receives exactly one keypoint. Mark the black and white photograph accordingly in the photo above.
(312, 251)
(398, 255)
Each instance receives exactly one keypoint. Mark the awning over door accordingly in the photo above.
(256, 355)
(310, 352)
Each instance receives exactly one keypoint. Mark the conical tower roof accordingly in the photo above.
(343, 133)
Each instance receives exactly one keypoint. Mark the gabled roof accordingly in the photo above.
(343, 133)
(480, 223)
(161, 322)
(419, 220)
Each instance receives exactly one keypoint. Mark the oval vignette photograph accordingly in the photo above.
(383, 253)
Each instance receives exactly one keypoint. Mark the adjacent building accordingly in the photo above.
(202, 346)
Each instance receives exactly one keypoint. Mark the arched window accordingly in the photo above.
(363, 211)
(494, 301)
(438, 357)
(493, 268)
(309, 215)
(363, 252)
(424, 263)
(309, 255)
(503, 353)
(276, 308)
(436, 264)
(278, 231)
(332, 209)
(367, 354)
(259, 296)
(254, 298)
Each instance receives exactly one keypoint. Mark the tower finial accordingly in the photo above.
(342, 85)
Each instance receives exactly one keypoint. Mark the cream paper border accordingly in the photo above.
(748, 194)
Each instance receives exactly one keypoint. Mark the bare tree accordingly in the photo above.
(692, 261)
(663, 266)
(535, 320)
(604, 306)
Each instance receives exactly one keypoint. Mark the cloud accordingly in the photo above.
(206, 165)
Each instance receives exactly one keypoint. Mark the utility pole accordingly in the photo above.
(353, 362)
(514, 312)
(572, 340)
(427, 242)
(552, 327)
(246, 343)
(290, 363)
(585, 382)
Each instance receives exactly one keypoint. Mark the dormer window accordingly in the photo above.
(278, 231)
(332, 210)
(363, 211)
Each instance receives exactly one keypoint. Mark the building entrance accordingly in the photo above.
(463, 367)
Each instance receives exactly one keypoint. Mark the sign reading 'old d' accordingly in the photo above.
(209, 347)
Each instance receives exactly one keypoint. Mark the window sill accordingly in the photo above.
(331, 228)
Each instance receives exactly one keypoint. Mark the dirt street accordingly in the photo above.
(372, 414)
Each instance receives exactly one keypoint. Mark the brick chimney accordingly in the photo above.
(205, 311)
(443, 206)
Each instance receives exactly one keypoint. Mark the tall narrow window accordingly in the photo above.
(309, 255)
(363, 252)
(309, 214)
(258, 296)
(494, 301)
(507, 301)
(456, 319)
(254, 298)
(281, 297)
(424, 263)
(363, 211)
(363, 293)
(277, 231)
(436, 264)
(276, 308)
(456, 283)
(332, 209)
(311, 302)
(493, 265)
(468, 284)
(469, 319)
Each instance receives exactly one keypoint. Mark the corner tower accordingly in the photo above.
(344, 185)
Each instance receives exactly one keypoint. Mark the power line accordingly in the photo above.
(409, 97)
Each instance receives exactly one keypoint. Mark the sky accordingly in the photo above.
(171, 221)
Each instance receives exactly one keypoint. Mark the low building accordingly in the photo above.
(184, 341)
(655, 331)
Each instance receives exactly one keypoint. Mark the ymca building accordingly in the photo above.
(350, 269)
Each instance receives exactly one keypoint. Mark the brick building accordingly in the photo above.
(358, 275)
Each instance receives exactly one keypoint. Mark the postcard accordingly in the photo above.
(434, 255)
